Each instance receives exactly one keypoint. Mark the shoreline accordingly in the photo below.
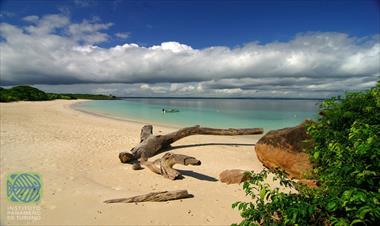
(76, 154)
(154, 123)
(112, 117)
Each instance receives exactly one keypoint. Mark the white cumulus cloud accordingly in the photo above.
(54, 50)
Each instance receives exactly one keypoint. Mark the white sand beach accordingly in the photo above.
(77, 155)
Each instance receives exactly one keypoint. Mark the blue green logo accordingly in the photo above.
(24, 187)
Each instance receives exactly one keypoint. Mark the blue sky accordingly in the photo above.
(198, 48)
(202, 24)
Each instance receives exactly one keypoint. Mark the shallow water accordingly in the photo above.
(220, 113)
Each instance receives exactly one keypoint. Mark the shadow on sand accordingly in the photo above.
(196, 175)
(207, 144)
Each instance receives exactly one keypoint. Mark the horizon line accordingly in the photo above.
(278, 98)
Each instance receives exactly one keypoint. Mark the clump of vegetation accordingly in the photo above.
(27, 93)
(22, 93)
(346, 155)
(88, 96)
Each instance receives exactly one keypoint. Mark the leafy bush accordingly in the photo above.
(273, 207)
(347, 166)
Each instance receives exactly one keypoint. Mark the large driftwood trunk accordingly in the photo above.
(150, 145)
(154, 197)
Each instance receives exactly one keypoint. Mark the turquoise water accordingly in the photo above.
(219, 113)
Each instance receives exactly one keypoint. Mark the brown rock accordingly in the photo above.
(285, 148)
(309, 183)
(234, 176)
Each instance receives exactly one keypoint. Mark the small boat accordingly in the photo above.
(170, 110)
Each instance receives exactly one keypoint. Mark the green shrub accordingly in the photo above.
(347, 166)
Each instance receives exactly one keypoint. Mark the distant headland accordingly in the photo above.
(28, 93)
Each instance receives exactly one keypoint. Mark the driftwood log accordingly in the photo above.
(154, 197)
(150, 144)
(164, 165)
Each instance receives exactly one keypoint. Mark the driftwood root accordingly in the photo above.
(164, 165)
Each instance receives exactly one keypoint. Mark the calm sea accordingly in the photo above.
(219, 113)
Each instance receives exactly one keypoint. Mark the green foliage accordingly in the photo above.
(89, 96)
(270, 206)
(54, 96)
(27, 93)
(346, 155)
(22, 93)
(309, 206)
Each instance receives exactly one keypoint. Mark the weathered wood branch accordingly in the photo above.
(154, 197)
(151, 145)
(164, 165)
(146, 131)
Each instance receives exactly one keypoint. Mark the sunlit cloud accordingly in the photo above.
(53, 50)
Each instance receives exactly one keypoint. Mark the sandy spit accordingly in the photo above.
(77, 156)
